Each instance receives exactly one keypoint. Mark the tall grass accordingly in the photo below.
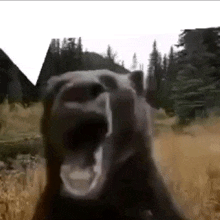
(189, 162)
(19, 193)
(19, 122)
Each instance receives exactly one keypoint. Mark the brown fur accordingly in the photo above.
(85, 110)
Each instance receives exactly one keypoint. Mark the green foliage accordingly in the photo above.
(170, 68)
(187, 81)
(197, 73)
(156, 74)
(186, 91)
(165, 62)
(66, 54)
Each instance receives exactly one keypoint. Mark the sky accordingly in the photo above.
(127, 26)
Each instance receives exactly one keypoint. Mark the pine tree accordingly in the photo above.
(111, 55)
(166, 87)
(193, 81)
(155, 72)
(109, 52)
(79, 47)
(68, 55)
(171, 68)
(79, 54)
(54, 55)
(164, 67)
(134, 62)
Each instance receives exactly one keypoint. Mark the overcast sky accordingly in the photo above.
(128, 26)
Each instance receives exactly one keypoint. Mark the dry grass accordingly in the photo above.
(17, 122)
(189, 162)
(20, 192)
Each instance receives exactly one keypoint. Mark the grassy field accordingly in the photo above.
(189, 162)
(17, 122)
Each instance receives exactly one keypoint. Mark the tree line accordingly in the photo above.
(68, 55)
(188, 80)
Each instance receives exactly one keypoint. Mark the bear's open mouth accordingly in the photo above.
(80, 181)
(87, 132)
(81, 169)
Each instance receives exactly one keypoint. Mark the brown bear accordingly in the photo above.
(98, 136)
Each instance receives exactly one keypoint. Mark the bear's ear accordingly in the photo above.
(145, 86)
(137, 79)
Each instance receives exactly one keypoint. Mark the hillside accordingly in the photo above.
(90, 61)
(14, 83)
(93, 61)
